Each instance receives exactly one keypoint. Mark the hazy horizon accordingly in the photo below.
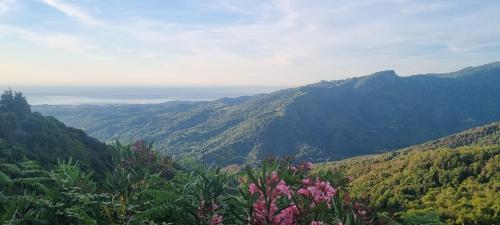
(143, 94)
(101, 95)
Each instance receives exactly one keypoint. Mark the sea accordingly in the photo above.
(102, 95)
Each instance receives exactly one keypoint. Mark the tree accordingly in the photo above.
(13, 101)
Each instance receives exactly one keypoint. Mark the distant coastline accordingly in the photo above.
(58, 95)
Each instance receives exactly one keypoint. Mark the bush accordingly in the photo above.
(145, 187)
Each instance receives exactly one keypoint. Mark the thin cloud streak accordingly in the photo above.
(72, 11)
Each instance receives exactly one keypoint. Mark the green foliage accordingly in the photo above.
(414, 186)
(418, 217)
(21, 185)
(204, 195)
(454, 179)
(15, 102)
(69, 195)
(30, 136)
(294, 195)
(132, 195)
(135, 182)
(68, 174)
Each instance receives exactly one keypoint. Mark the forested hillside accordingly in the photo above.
(25, 135)
(458, 177)
(319, 122)
(47, 177)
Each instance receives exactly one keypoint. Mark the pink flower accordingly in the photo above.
(316, 223)
(261, 212)
(216, 220)
(252, 188)
(308, 181)
(275, 189)
(303, 192)
(319, 191)
(284, 189)
(287, 216)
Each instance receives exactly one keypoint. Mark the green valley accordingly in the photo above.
(326, 121)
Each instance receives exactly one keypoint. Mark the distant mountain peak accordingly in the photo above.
(489, 65)
(376, 80)
(384, 73)
(469, 71)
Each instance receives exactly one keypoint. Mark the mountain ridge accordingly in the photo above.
(323, 121)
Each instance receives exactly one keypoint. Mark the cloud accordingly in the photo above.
(72, 11)
(6, 5)
(309, 40)
(271, 41)
(419, 7)
(66, 42)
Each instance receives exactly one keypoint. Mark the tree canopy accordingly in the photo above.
(13, 101)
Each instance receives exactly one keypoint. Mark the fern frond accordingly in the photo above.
(10, 168)
(33, 172)
(4, 179)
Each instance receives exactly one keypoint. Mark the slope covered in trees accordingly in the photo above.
(454, 180)
(26, 135)
(320, 122)
(458, 177)
(46, 177)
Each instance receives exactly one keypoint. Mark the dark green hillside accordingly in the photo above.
(25, 135)
(458, 177)
(481, 136)
(319, 122)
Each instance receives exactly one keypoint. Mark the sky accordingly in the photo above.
(239, 42)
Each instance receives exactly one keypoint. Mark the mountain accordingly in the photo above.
(27, 135)
(457, 176)
(324, 121)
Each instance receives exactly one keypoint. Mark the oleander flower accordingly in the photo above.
(319, 191)
(287, 216)
(284, 189)
(216, 220)
(276, 188)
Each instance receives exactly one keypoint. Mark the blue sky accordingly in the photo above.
(239, 42)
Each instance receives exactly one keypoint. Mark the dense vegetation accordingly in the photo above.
(138, 185)
(144, 187)
(457, 177)
(25, 135)
(319, 122)
(454, 180)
